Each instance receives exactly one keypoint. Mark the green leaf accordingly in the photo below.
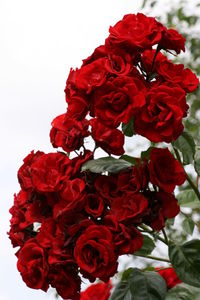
(144, 4)
(121, 291)
(128, 129)
(197, 160)
(146, 153)
(147, 285)
(186, 145)
(188, 225)
(147, 246)
(186, 261)
(183, 291)
(188, 198)
(126, 274)
(106, 164)
(130, 159)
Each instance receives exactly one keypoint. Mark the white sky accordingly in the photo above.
(39, 41)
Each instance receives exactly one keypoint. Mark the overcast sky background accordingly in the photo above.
(39, 41)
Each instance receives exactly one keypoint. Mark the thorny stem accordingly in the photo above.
(153, 257)
(192, 184)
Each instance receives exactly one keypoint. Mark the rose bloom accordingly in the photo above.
(161, 118)
(32, 265)
(169, 276)
(118, 99)
(98, 291)
(68, 133)
(134, 32)
(165, 171)
(94, 253)
(109, 139)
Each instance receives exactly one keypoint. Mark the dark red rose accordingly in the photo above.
(176, 74)
(78, 106)
(107, 187)
(134, 179)
(134, 32)
(24, 173)
(94, 205)
(169, 276)
(147, 60)
(47, 173)
(109, 139)
(32, 265)
(68, 133)
(66, 281)
(130, 207)
(161, 118)
(43, 172)
(118, 99)
(90, 76)
(165, 171)
(127, 239)
(172, 40)
(162, 206)
(72, 198)
(119, 63)
(94, 252)
(98, 291)
(78, 162)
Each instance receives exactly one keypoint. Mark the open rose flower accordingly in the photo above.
(94, 252)
(169, 276)
(118, 99)
(161, 118)
(32, 264)
(165, 171)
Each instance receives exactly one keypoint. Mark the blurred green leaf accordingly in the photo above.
(188, 225)
(185, 260)
(186, 145)
(188, 198)
(147, 246)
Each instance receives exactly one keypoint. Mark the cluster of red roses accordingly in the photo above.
(65, 220)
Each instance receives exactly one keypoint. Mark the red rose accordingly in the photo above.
(134, 179)
(119, 63)
(172, 40)
(109, 139)
(78, 106)
(147, 60)
(91, 75)
(130, 207)
(169, 276)
(118, 99)
(127, 239)
(94, 205)
(176, 74)
(165, 171)
(24, 173)
(32, 265)
(162, 206)
(66, 281)
(161, 118)
(68, 133)
(98, 291)
(99, 52)
(134, 32)
(94, 253)
(72, 198)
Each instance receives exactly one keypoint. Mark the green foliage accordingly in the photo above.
(106, 164)
(186, 145)
(197, 160)
(147, 247)
(140, 285)
(188, 225)
(185, 260)
(130, 159)
(128, 129)
(188, 198)
(183, 291)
